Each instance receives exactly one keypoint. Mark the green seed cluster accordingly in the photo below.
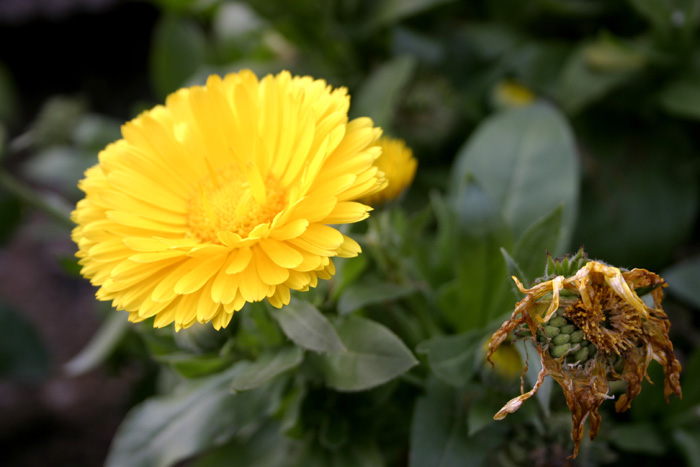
(565, 339)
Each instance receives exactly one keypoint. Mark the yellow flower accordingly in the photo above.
(399, 166)
(592, 328)
(224, 196)
(508, 93)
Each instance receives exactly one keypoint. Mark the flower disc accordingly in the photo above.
(224, 196)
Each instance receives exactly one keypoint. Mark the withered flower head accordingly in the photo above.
(591, 328)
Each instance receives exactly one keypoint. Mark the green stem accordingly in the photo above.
(33, 198)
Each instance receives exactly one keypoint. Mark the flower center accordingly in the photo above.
(225, 201)
(610, 323)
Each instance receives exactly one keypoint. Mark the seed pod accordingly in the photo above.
(561, 339)
(568, 329)
(557, 321)
(558, 351)
(592, 350)
(577, 337)
(551, 331)
(581, 355)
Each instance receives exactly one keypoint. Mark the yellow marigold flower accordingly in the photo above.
(224, 196)
(399, 166)
(506, 359)
(592, 328)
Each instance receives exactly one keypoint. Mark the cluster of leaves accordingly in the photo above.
(384, 363)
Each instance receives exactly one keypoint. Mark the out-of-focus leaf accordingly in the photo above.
(689, 443)
(307, 327)
(392, 11)
(491, 40)
(198, 415)
(452, 358)
(23, 355)
(608, 54)
(59, 167)
(267, 447)
(580, 84)
(476, 293)
(622, 192)
(374, 356)
(200, 338)
(333, 433)
(177, 51)
(258, 330)
(667, 15)
(684, 280)
(100, 346)
(196, 366)
(682, 98)
(267, 367)
(93, 132)
(359, 295)
(541, 237)
(638, 437)
(347, 272)
(482, 409)
(513, 268)
(425, 49)
(378, 96)
(526, 160)
(290, 410)
(439, 435)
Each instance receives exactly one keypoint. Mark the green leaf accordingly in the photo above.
(526, 160)
(359, 295)
(100, 346)
(348, 271)
(196, 366)
(482, 409)
(178, 49)
(513, 269)
(667, 16)
(683, 280)
(689, 443)
(644, 180)
(23, 355)
(452, 358)
(541, 237)
(266, 367)
(638, 437)
(476, 294)
(580, 84)
(439, 435)
(267, 447)
(378, 96)
(374, 356)
(200, 414)
(392, 11)
(682, 98)
(307, 327)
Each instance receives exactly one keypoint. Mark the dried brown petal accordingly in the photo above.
(602, 303)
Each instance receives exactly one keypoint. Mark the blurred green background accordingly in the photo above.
(624, 75)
